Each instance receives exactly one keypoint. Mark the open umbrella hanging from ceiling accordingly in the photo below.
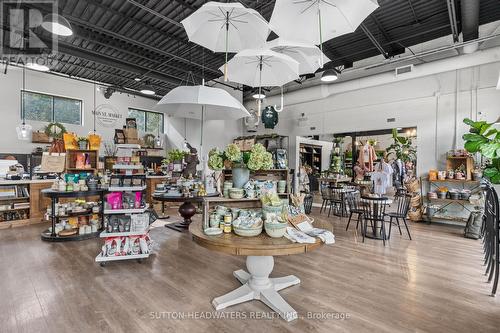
(226, 27)
(203, 103)
(262, 67)
(306, 54)
(304, 20)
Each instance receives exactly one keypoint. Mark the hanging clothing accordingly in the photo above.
(399, 173)
(382, 177)
(303, 181)
(367, 156)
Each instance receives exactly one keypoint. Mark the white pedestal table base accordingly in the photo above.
(257, 285)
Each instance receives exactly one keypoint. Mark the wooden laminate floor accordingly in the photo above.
(434, 283)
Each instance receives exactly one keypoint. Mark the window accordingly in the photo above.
(147, 121)
(49, 108)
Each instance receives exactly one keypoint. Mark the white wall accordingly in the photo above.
(428, 102)
(217, 133)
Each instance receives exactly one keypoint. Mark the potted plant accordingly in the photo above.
(83, 142)
(485, 140)
(174, 159)
(258, 158)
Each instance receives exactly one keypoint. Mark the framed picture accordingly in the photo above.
(131, 123)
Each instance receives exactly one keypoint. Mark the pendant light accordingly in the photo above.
(94, 96)
(329, 75)
(23, 130)
(57, 25)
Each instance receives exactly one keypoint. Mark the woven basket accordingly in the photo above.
(413, 185)
(415, 215)
(415, 201)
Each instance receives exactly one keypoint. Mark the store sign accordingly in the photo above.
(108, 116)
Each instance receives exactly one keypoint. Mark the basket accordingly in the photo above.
(415, 201)
(415, 215)
(39, 137)
(413, 185)
(248, 144)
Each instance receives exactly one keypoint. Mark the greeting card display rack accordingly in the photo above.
(128, 178)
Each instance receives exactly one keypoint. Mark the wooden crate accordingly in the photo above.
(454, 162)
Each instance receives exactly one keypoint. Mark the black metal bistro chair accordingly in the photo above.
(374, 213)
(326, 196)
(402, 203)
(491, 236)
(337, 201)
(354, 205)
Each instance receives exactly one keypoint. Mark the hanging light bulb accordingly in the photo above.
(23, 130)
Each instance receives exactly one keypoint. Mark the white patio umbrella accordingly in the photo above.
(316, 21)
(226, 27)
(262, 67)
(307, 55)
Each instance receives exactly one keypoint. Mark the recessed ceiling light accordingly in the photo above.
(37, 67)
(137, 79)
(57, 24)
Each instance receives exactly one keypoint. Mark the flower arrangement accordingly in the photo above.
(258, 158)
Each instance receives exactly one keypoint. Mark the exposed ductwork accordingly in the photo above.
(470, 24)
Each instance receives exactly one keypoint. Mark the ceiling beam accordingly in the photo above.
(374, 40)
(80, 22)
(83, 53)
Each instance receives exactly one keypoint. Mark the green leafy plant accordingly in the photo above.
(174, 155)
(258, 158)
(82, 139)
(484, 139)
(402, 148)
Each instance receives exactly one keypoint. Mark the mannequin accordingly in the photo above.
(367, 156)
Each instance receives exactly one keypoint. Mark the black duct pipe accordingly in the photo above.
(470, 22)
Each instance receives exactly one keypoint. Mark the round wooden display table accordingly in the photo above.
(256, 283)
(187, 210)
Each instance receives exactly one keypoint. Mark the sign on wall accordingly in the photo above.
(108, 116)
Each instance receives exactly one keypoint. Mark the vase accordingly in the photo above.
(241, 176)
(82, 145)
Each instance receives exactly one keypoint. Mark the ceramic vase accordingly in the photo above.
(240, 177)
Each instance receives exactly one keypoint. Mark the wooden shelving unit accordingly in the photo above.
(311, 155)
(272, 174)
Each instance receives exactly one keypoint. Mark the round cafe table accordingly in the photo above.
(187, 210)
(256, 284)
